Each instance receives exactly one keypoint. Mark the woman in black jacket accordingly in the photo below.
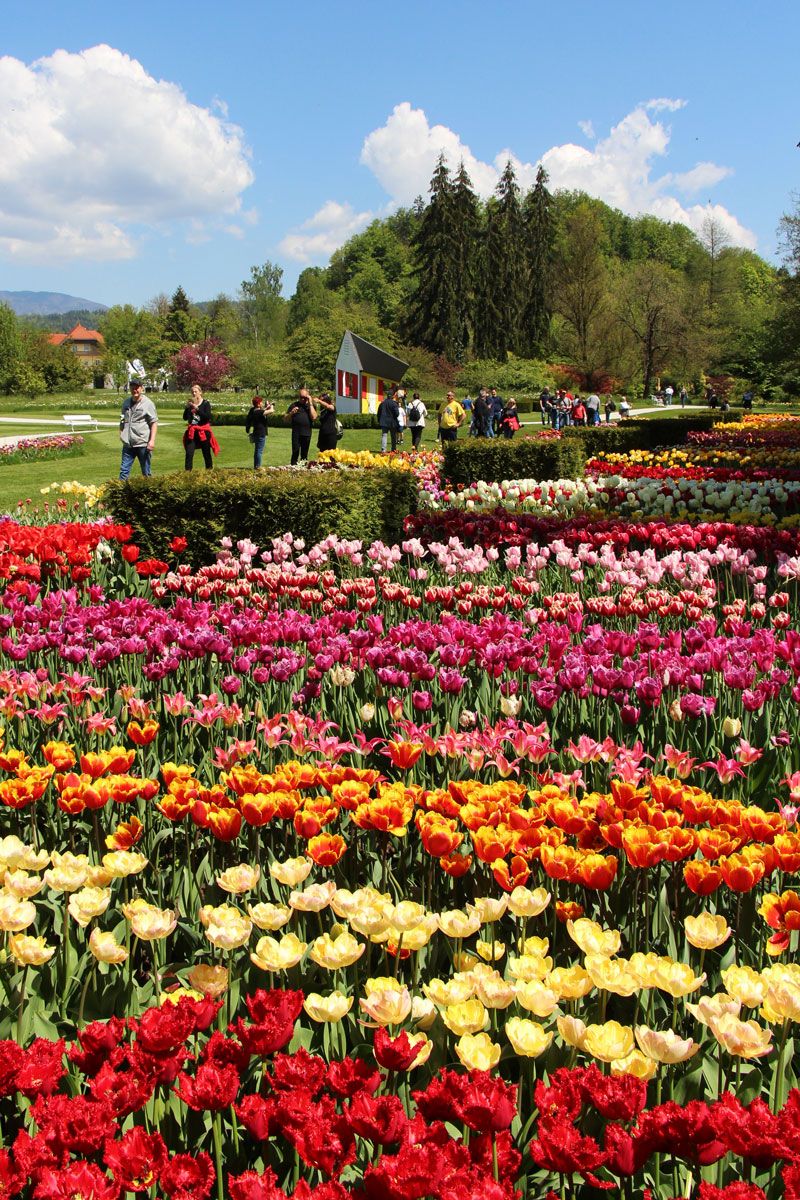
(197, 415)
(326, 438)
(256, 426)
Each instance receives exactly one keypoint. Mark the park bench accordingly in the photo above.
(80, 421)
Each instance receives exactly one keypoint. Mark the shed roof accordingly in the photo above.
(376, 361)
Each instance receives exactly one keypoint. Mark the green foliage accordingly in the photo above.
(638, 433)
(517, 376)
(25, 380)
(206, 506)
(496, 459)
(539, 249)
(263, 306)
(313, 347)
(434, 313)
(10, 345)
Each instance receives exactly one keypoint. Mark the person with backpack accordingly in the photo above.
(610, 408)
(388, 421)
(417, 412)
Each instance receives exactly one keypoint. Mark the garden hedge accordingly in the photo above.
(278, 420)
(206, 506)
(492, 460)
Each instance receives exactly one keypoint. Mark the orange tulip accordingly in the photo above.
(509, 877)
(491, 844)
(456, 865)
(568, 910)
(142, 734)
(225, 823)
(403, 754)
(598, 870)
(326, 849)
(60, 755)
(126, 835)
(701, 877)
(740, 872)
(257, 809)
(439, 835)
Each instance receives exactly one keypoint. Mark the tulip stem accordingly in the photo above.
(84, 991)
(21, 1008)
(216, 1121)
(777, 1098)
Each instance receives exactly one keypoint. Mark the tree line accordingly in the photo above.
(523, 289)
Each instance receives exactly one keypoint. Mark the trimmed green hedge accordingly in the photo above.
(206, 506)
(493, 459)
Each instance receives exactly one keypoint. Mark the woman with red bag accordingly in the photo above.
(197, 415)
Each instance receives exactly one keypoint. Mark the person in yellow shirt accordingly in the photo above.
(451, 418)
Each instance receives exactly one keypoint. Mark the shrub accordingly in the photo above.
(207, 506)
(638, 433)
(277, 420)
(494, 459)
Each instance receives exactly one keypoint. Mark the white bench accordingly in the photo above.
(80, 421)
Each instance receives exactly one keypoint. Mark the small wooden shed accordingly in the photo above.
(364, 374)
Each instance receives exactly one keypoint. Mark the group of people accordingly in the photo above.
(396, 414)
(138, 427)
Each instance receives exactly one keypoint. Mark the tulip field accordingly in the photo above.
(459, 869)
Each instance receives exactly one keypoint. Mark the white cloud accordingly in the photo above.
(92, 149)
(619, 169)
(320, 235)
(587, 129)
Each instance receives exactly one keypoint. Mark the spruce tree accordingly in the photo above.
(433, 318)
(500, 295)
(539, 245)
(466, 235)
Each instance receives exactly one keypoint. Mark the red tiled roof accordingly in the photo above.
(81, 334)
(55, 339)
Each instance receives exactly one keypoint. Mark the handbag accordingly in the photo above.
(339, 430)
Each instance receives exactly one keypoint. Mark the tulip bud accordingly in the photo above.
(731, 727)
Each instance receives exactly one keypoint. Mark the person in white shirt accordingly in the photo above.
(416, 414)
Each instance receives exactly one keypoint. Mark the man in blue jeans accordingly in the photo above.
(137, 430)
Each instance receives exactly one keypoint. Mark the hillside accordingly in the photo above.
(45, 303)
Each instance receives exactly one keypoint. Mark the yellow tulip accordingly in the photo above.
(327, 1009)
(121, 863)
(291, 872)
(665, 1046)
(781, 999)
(423, 1012)
(571, 983)
(537, 998)
(745, 985)
(538, 947)
(16, 855)
(239, 879)
(88, 903)
(314, 898)
(106, 948)
(489, 908)
(608, 1041)
(490, 951)
(744, 1039)
(611, 975)
(592, 938)
(335, 953)
(706, 931)
(529, 968)
(269, 916)
(21, 884)
(211, 981)
(453, 991)
(98, 876)
(711, 1008)
(68, 872)
(151, 924)
(528, 1038)
(468, 1017)
(458, 924)
(406, 916)
(15, 914)
(572, 1031)
(29, 951)
(273, 955)
(526, 903)
(390, 1006)
(495, 992)
(228, 928)
(678, 979)
(477, 1052)
(635, 1063)
(644, 967)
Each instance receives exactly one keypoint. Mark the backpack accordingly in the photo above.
(414, 412)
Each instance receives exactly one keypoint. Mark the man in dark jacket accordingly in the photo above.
(389, 421)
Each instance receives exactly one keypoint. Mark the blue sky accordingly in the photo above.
(202, 138)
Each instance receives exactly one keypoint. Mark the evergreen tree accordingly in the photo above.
(539, 244)
(179, 301)
(501, 286)
(433, 318)
(467, 227)
(180, 327)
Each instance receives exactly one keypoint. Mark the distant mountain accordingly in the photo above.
(44, 303)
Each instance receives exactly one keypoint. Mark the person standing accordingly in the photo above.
(197, 414)
(669, 392)
(497, 406)
(510, 422)
(302, 415)
(451, 418)
(402, 416)
(327, 437)
(544, 405)
(388, 422)
(593, 409)
(417, 412)
(624, 409)
(684, 397)
(481, 415)
(138, 426)
(256, 426)
(610, 407)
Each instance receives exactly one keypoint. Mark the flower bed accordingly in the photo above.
(39, 449)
